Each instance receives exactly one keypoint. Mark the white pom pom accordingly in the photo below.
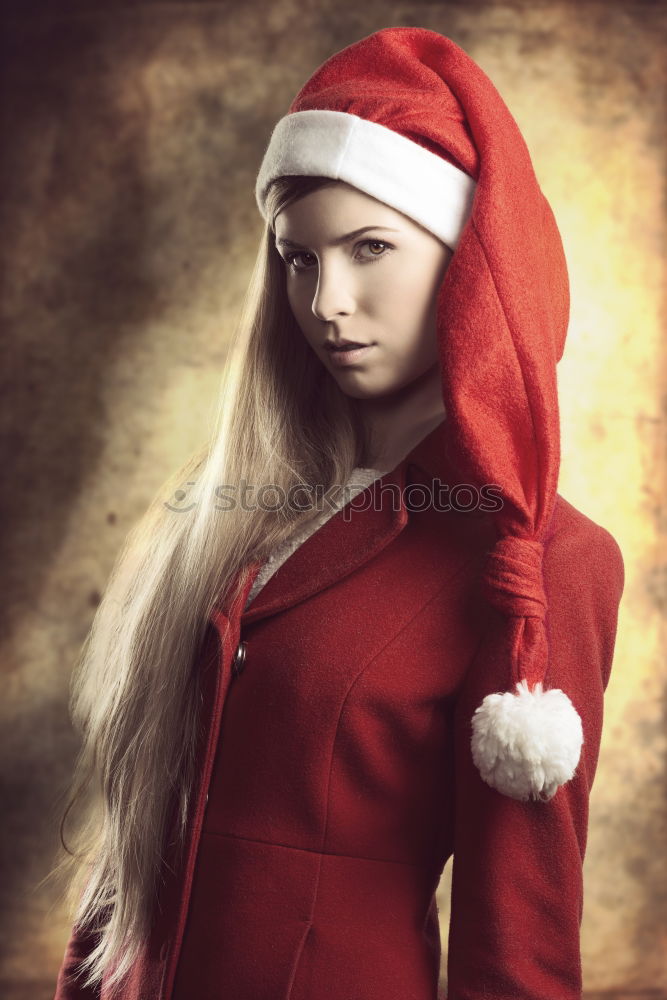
(528, 744)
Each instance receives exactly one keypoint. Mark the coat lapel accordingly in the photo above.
(339, 547)
(344, 543)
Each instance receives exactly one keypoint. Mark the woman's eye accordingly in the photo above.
(376, 248)
(302, 260)
(293, 260)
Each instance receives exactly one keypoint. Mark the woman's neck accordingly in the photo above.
(398, 422)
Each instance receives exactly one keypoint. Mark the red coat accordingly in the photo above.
(337, 778)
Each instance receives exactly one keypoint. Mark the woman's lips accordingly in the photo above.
(351, 356)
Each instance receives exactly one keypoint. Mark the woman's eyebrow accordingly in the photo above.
(339, 239)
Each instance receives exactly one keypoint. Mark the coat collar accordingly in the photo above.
(339, 547)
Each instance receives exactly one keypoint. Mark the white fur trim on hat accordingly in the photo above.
(374, 159)
(526, 745)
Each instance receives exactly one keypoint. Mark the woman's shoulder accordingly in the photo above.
(581, 542)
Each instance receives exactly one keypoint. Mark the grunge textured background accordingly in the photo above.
(131, 135)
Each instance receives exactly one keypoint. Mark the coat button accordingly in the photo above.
(238, 662)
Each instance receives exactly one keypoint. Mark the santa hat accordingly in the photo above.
(406, 116)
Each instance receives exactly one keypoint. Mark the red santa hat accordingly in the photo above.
(406, 116)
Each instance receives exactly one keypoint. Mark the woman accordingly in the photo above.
(294, 712)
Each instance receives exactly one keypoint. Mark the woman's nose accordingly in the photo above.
(334, 295)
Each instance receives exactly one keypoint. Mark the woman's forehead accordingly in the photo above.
(335, 211)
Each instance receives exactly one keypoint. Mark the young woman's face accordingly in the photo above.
(360, 271)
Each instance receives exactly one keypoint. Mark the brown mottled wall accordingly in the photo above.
(131, 135)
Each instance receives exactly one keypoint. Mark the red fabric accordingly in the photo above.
(339, 777)
(512, 581)
(504, 303)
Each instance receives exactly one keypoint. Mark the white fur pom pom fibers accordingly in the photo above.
(528, 744)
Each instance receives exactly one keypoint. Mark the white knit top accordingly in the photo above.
(360, 479)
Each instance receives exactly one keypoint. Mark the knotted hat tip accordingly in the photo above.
(527, 744)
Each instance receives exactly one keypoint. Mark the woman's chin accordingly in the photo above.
(362, 385)
(359, 388)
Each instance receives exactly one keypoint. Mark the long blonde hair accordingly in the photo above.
(281, 420)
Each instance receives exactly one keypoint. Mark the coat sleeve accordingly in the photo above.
(517, 877)
(68, 985)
